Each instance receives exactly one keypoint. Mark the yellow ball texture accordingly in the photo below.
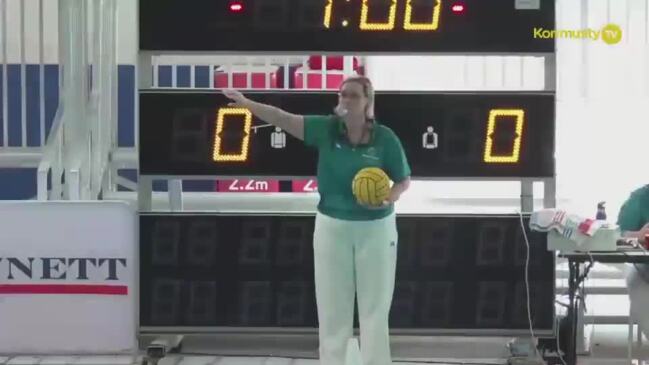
(371, 186)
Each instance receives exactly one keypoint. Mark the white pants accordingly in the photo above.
(639, 296)
(354, 257)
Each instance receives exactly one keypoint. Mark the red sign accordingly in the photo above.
(305, 186)
(63, 289)
(248, 186)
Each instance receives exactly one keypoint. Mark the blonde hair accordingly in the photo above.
(368, 90)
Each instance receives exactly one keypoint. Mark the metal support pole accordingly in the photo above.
(144, 193)
(175, 194)
(72, 37)
(550, 193)
(527, 195)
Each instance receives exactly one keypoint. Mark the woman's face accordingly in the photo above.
(352, 98)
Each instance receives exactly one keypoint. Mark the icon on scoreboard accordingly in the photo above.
(278, 138)
(430, 139)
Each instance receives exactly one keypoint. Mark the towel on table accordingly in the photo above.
(571, 226)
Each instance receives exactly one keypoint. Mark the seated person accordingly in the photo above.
(633, 220)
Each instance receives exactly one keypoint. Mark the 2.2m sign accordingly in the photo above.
(248, 186)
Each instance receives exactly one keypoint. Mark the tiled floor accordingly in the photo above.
(609, 347)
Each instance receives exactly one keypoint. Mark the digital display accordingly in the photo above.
(443, 134)
(453, 272)
(360, 26)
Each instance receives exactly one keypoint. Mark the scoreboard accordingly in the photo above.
(255, 270)
(358, 26)
(455, 273)
(444, 134)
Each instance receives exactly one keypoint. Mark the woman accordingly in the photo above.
(354, 245)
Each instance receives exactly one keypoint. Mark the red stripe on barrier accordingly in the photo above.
(63, 289)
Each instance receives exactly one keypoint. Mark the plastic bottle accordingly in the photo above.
(601, 211)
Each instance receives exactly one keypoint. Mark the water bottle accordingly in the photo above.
(601, 211)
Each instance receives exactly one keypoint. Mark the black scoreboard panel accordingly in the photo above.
(358, 26)
(453, 272)
(443, 134)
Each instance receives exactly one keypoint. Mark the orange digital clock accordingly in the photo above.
(390, 17)
(358, 26)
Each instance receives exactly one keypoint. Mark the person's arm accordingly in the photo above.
(397, 167)
(293, 124)
(639, 234)
(630, 219)
(398, 189)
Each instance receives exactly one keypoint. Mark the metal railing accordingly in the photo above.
(75, 162)
(246, 72)
(26, 70)
(103, 127)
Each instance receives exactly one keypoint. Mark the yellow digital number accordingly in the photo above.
(433, 25)
(327, 13)
(494, 116)
(389, 25)
(220, 124)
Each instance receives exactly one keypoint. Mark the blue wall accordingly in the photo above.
(32, 92)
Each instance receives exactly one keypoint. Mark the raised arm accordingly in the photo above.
(293, 124)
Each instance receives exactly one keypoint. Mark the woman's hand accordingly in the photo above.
(384, 204)
(238, 100)
(395, 194)
(644, 231)
(643, 236)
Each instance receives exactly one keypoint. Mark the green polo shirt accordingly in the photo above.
(338, 163)
(634, 213)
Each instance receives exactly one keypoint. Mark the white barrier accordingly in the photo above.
(68, 278)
